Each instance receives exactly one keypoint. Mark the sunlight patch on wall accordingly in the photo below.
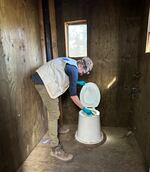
(111, 82)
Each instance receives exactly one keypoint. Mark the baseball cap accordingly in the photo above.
(87, 64)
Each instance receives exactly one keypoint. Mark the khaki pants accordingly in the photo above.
(52, 106)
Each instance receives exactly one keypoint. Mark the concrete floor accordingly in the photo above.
(119, 153)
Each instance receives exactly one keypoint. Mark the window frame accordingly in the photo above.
(66, 25)
(147, 47)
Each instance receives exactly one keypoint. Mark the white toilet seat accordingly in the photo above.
(90, 95)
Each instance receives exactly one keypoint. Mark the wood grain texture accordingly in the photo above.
(53, 27)
(42, 35)
(22, 116)
(141, 118)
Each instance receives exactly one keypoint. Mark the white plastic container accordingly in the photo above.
(89, 128)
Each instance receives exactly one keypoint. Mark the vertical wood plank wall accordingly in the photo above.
(42, 34)
(142, 105)
(22, 116)
(53, 27)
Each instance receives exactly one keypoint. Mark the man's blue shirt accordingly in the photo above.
(72, 73)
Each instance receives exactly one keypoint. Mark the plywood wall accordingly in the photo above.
(22, 116)
(141, 117)
(113, 42)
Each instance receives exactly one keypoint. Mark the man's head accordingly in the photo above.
(85, 65)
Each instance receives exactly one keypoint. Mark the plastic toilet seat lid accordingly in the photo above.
(90, 95)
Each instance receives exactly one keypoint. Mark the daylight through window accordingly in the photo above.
(76, 38)
(148, 35)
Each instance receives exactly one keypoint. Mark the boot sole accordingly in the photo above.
(60, 158)
(64, 132)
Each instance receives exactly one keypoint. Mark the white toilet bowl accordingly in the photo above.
(89, 128)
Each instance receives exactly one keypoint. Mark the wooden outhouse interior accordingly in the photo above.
(32, 32)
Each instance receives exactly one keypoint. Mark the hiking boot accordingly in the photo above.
(63, 130)
(59, 153)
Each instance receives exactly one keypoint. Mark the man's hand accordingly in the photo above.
(87, 111)
(82, 83)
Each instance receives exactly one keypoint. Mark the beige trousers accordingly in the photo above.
(52, 106)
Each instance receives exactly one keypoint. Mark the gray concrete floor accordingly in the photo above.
(119, 153)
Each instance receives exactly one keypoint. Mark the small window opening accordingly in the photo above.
(76, 38)
(148, 35)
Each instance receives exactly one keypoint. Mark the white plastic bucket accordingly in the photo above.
(89, 129)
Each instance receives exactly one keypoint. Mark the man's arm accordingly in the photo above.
(76, 100)
(72, 72)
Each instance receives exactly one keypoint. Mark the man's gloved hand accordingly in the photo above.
(87, 111)
(82, 83)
